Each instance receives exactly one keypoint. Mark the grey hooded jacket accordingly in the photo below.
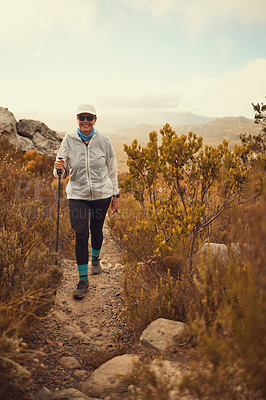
(92, 167)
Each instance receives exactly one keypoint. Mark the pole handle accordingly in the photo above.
(59, 171)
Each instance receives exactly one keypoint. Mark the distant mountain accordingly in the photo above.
(116, 121)
(124, 128)
(219, 129)
(213, 132)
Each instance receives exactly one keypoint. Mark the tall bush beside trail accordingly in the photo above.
(181, 191)
(182, 187)
(223, 302)
(230, 331)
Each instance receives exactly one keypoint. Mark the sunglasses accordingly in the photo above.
(88, 118)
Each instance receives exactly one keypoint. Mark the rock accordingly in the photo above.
(15, 380)
(67, 394)
(80, 373)
(221, 251)
(43, 394)
(8, 125)
(161, 335)
(168, 374)
(28, 134)
(70, 362)
(82, 337)
(235, 249)
(215, 250)
(108, 378)
(43, 139)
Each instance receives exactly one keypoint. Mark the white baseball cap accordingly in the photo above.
(86, 108)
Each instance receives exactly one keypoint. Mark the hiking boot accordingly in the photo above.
(96, 267)
(81, 289)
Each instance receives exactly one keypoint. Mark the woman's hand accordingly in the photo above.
(59, 164)
(114, 204)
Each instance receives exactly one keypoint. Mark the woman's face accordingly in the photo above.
(86, 126)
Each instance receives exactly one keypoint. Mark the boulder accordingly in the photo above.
(161, 335)
(43, 139)
(15, 380)
(43, 394)
(110, 377)
(221, 251)
(8, 125)
(28, 134)
(170, 373)
(70, 394)
(215, 250)
(167, 374)
(235, 249)
(65, 394)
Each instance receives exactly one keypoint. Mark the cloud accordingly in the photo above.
(203, 15)
(231, 94)
(224, 95)
(158, 101)
(19, 20)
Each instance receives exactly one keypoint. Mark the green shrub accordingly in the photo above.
(175, 194)
(185, 196)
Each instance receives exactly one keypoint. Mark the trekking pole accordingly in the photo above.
(59, 173)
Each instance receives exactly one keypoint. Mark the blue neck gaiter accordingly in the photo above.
(85, 137)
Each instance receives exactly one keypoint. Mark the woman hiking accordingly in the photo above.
(92, 187)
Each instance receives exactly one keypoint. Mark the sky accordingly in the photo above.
(137, 61)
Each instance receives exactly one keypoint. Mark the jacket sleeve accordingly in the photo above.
(112, 167)
(62, 153)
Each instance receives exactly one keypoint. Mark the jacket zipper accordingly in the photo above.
(88, 171)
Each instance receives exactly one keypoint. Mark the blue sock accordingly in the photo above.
(95, 253)
(83, 272)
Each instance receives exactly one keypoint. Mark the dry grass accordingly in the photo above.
(223, 302)
(28, 274)
(226, 316)
(231, 329)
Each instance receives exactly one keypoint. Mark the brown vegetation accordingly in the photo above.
(28, 273)
(177, 197)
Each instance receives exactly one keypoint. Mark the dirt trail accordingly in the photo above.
(85, 329)
(94, 318)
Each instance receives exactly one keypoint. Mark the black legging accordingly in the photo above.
(79, 212)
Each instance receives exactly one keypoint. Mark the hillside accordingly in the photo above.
(30, 134)
(213, 133)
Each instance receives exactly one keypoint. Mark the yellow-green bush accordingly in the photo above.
(222, 301)
(175, 194)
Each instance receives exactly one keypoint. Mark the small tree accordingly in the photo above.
(257, 143)
(260, 115)
(183, 187)
(177, 193)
